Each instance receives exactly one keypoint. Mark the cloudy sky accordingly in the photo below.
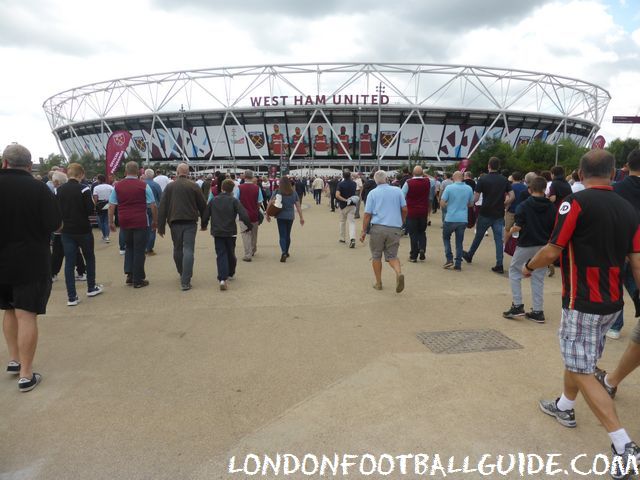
(47, 46)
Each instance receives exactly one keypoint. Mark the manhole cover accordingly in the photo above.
(465, 341)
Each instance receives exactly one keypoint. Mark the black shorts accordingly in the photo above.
(31, 297)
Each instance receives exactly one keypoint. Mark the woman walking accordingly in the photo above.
(287, 215)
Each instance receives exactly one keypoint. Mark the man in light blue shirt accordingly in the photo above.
(384, 215)
(456, 199)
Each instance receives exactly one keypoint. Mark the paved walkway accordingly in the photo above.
(302, 357)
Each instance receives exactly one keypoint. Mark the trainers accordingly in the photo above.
(535, 316)
(97, 290)
(283, 257)
(28, 384)
(413, 260)
(400, 283)
(246, 259)
(121, 252)
(13, 367)
(81, 278)
(186, 286)
(467, 258)
(129, 280)
(352, 243)
(613, 334)
(223, 285)
(422, 255)
(377, 286)
(143, 283)
(72, 302)
(564, 417)
(342, 241)
(107, 240)
(600, 374)
(514, 311)
(151, 253)
(623, 465)
(448, 265)
(498, 269)
(458, 268)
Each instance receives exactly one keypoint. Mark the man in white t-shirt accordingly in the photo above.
(101, 193)
(162, 180)
(359, 184)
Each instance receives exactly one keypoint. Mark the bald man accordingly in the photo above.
(595, 232)
(181, 206)
(416, 191)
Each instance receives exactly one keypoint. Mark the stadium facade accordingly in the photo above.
(325, 115)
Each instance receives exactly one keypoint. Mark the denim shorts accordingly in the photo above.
(582, 338)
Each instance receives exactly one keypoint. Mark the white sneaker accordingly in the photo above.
(613, 334)
(97, 290)
(121, 252)
(81, 278)
(106, 240)
(73, 302)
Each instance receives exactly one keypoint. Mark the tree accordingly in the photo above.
(491, 147)
(620, 149)
(53, 160)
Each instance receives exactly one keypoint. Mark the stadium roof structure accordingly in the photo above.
(437, 112)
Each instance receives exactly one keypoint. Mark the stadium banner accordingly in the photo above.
(342, 144)
(116, 146)
(410, 140)
(320, 134)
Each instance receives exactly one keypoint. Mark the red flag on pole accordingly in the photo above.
(116, 146)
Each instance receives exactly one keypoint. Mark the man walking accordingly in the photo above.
(533, 223)
(456, 199)
(493, 188)
(157, 195)
(359, 184)
(384, 214)
(344, 193)
(250, 196)
(76, 204)
(594, 233)
(317, 186)
(28, 216)
(333, 187)
(416, 191)
(133, 197)
(181, 206)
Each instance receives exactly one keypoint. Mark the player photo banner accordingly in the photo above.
(116, 146)
(598, 143)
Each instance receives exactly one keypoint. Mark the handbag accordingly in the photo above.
(273, 209)
(510, 246)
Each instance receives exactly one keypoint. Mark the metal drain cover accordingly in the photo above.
(466, 341)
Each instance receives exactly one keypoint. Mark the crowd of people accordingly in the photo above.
(587, 222)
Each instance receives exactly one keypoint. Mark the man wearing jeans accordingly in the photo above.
(416, 192)
(347, 189)
(181, 206)
(493, 188)
(456, 200)
(157, 195)
(76, 204)
(133, 196)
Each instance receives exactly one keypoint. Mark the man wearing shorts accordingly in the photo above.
(595, 231)
(384, 215)
(29, 215)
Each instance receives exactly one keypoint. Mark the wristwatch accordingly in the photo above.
(526, 265)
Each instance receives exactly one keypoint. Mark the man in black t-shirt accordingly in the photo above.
(344, 194)
(493, 187)
(559, 188)
(594, 233)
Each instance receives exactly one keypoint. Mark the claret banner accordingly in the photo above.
(116, 146)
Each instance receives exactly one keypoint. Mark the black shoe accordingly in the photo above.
(352, 243)
(564, 417)
(429, 223)
(514, 311)
(535, 316)
(143, 283)
(342, 241)
(283, 257)
(448, 264)
(413, 260)
(13, 368)
(498, 269)
(622, 464)
(185, 287)
(467, 258)
(129, 280)
(422, 255)
(600, 374)
(26, 384)
(457, 268)
(246, 259)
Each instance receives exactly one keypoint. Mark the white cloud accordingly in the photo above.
(53, 45)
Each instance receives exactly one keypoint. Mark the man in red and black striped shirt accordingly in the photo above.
(595, 232)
